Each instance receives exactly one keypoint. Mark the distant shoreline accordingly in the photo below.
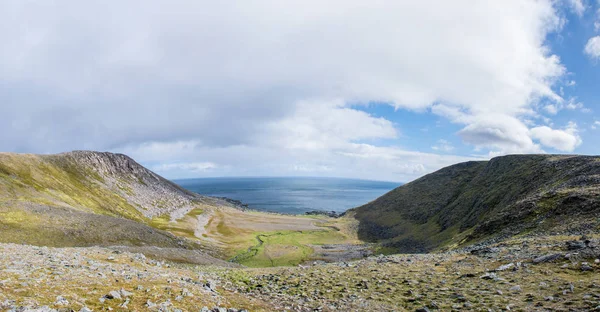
(238, 204)
(290, 196)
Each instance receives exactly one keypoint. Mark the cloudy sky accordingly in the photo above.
(386, 90)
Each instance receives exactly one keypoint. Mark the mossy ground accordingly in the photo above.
(438, 282)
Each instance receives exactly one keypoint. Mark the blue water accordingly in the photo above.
(292, 195)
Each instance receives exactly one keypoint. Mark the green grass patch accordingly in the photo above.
(285, 248)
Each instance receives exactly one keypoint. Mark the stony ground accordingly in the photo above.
(557, 273)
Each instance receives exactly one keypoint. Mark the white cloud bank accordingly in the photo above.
(263, 87)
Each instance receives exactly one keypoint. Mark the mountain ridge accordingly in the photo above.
(471, 201)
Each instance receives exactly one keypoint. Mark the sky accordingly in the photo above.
(381, 90)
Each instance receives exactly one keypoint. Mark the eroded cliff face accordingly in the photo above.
(148, 192)
(473, 201)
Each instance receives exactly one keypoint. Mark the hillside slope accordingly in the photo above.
(474, 201)
(90, 199)
(105, 183)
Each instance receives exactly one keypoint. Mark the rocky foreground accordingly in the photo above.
(550, 273)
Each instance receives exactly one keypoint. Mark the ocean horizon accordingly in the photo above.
(291, 195)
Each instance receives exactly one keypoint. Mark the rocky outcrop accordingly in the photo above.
(150, 193)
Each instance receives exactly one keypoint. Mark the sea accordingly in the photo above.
(292, 195)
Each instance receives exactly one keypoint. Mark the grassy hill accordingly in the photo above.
(474, 201)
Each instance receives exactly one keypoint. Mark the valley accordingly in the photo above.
(89, 231)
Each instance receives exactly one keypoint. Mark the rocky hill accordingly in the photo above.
(480, 201)
(91, 199)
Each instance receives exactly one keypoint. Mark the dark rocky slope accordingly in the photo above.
(476, 201)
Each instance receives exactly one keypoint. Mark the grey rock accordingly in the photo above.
(547, 258)
(506, 267)
(113, 295)
(489, 276)
(211, 285)
(575, 245)
(586, 267)
(125, 293)
(186, 293)
(516, 289)
(60, 300)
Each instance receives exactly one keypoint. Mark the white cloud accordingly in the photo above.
(592, 48)
(326, 124)
(350, 161)
(563, 140)
(271, 81)
(571, 104)
(443, 146)
(577, 7)
(195, 167)
(501, 133)
(552, 109)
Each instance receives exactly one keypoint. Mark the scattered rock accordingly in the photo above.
(575, 245)
(515, 289)
(479, 251)
(60, 300)
(125, 293)
(506, 267)
(586, 267)
(489, 276)
(547, 258)
(113, 295)
(211, 285)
